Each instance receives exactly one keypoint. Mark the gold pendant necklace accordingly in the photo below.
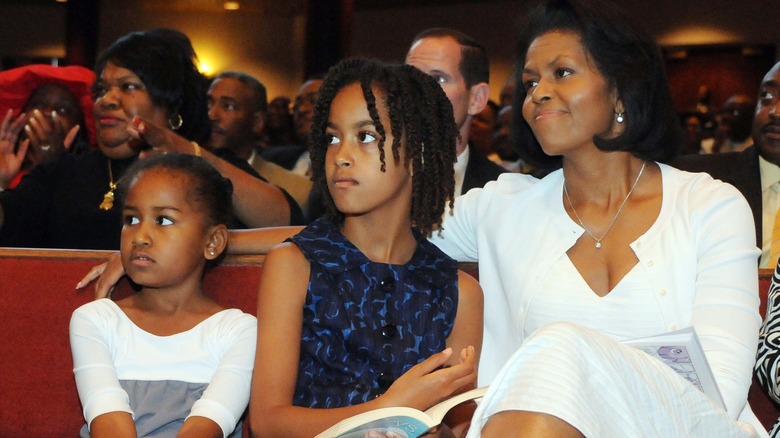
(108, 198)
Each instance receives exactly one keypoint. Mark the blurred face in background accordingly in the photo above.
(766, 121)
(61, 111)
(303, 108)
(482, 127)
(279, 113)
(231, 114)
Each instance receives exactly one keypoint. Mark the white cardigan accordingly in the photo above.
(700, 255)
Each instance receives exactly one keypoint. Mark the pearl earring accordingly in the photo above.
(620, 118)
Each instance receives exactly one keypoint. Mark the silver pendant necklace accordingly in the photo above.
(614, 219)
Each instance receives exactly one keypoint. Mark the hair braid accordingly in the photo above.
(421, 120)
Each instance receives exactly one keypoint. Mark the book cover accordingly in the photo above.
(402, 421)
(682, 351)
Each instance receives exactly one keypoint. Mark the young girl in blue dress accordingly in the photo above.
(167, 360)
(359, 311)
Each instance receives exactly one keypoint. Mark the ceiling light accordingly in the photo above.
(231, 6)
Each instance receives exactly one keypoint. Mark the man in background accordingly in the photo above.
(237, 110)
(460, 65)
(756, 170)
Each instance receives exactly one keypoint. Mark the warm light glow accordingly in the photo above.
(205, 67)
(231, 6)
(211, 57)
(61, 1)
(693, 35)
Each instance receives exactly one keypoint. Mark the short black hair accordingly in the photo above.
(474, 63)
(631, 63)
(420, 115)
(212, 191)
(259, 97)
(166, 63)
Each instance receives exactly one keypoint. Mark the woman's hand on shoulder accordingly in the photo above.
(107, 274)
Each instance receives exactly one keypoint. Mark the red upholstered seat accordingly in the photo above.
(38, 395)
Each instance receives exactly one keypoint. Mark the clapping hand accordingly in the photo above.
(10, 159)
(49, 135)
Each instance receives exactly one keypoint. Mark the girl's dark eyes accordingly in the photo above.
(332, 139)
(160, 220)
(367, 137)
(362, 137)
(163, 220)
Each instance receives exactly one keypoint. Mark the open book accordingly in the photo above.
(682, 351)
(405, 422)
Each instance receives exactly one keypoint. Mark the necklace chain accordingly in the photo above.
(614, 219)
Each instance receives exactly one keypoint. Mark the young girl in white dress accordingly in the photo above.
(167, 361)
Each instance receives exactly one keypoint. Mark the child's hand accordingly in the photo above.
(429, 382)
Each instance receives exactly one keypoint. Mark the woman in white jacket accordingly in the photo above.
(613, 246)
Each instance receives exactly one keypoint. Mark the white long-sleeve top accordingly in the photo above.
(699, 255)
(217, 354)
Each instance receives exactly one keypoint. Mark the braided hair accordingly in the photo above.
(419, 111)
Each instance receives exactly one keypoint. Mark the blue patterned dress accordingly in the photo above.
(367, 323)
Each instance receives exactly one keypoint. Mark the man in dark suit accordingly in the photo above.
(460, 65)
(756, 170)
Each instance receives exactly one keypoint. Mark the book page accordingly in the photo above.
(404, 422)
(438, 411)
(682, 352)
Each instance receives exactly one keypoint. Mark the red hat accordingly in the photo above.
(17, 84)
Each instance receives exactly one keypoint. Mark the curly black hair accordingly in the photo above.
(212, 191)
(418, 110)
